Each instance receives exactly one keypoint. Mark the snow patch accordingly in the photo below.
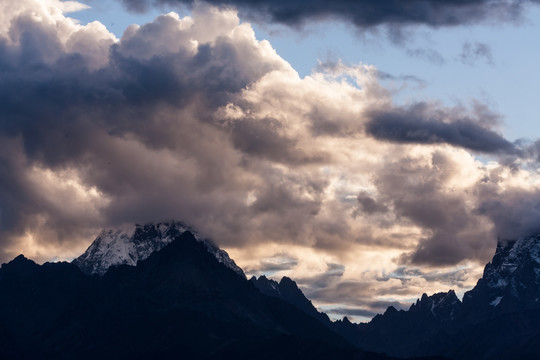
(496, 301)
(127, 246)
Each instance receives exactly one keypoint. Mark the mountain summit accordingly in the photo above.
(127, 246)
(511, 281)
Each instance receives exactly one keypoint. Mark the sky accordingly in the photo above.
(371, 151)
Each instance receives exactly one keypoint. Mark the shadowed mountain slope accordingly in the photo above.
(180, 302)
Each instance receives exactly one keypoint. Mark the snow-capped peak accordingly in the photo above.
(513, 260)
(511, 281)
(126, 246)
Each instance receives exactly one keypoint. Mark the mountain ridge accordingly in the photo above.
(162, 290)
(179, 300)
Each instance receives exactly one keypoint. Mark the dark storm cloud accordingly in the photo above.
(366, 13)
(421, 124)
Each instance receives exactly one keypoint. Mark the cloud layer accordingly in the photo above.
(321, 178)
(428, 124)
(365, 13)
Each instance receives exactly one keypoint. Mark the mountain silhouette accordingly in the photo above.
(498, 319)
(180, 302)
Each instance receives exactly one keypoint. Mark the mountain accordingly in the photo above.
(288, 291)
(160, 291)
(179, 302)
(127, 246)
(511, 281)
(498, 319)
(403, 333)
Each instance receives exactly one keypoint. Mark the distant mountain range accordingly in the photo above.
(498, 319)
(161, 291)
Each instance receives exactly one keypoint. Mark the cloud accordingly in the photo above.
(471, 53)
(369, 205)
(365, 14)
(270, 265)
(453, 278)
(422, 123)
(430, 55)
(514, 211)
(218, 119)
(195, 119)
(340, 311)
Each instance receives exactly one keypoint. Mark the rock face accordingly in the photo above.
(511, 281)
(288, 291)
(115, 247)
(403, 333)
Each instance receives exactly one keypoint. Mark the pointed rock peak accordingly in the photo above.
(346, 320)
(267, 286)
(445, 299)
(20, 257)
(288, 286)
(286, 281)
(20, 261)
(390, 310)
(263, 280)
(451, 296)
